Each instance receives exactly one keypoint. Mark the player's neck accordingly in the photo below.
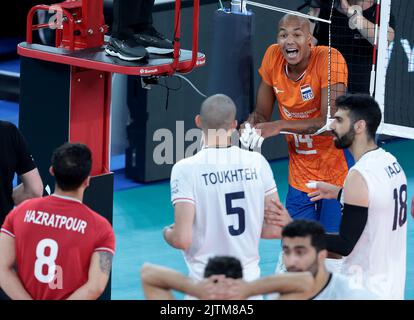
(77, 194)
(217, 141)
(321, 281)
(361, 148)
(294, 71)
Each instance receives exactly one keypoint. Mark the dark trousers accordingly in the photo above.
(131, 16)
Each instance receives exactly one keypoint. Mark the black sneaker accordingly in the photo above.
(154, 41)
(127, 50)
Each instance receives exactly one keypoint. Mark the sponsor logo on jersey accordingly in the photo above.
(174, 186)
(307, 93)
(277, 91)
(298, 115)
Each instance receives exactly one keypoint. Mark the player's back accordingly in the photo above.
(229, 187)
(56, 235)
(379, 257)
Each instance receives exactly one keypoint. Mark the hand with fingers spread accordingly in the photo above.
(323, 190)
(276, 214)
(211, 288)
(233, 289)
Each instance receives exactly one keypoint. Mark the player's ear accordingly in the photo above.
(51, 171)
(360, 126)
(234, 124)
(87, 182)
(310, 39)
(197, 121)
(323, 254)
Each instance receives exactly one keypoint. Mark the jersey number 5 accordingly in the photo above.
(400, 211)
(235, 210)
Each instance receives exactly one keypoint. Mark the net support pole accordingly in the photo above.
(382, 56)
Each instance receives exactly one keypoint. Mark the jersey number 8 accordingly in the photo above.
(43, 260)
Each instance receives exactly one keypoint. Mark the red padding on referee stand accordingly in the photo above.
(90, 114)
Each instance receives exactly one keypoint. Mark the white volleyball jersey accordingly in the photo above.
(378, 260)
(228, 188)
(340, 287)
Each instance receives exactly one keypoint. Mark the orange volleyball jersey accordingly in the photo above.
(310, 157)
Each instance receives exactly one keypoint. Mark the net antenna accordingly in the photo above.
(326, 127)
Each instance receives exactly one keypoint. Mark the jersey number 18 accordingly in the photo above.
(400, 209)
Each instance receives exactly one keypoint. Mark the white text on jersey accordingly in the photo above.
(393, 169)
(230, 176)
(55, 221)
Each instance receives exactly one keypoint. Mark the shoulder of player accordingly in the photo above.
(371, 159)
(273, 52)
(185, 163)
(29, 203)
(351, 290)
(355, 177)
(255, 158)
(97, 219)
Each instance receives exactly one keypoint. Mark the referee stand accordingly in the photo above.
(65, 91)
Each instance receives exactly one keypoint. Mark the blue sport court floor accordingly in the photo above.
(141, 212)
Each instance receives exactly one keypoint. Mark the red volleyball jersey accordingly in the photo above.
(55, 238)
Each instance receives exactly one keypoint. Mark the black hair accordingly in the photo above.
(362, 107)
(306, 228)
(72, 163)
(228, 266)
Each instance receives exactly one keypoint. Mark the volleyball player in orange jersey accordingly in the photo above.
(296, 75)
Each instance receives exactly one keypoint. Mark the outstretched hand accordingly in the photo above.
(268, 129)
(276, 214)
(323, 190)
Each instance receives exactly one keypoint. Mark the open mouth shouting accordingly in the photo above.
(292, 53)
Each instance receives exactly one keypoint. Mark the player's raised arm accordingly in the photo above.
(265, 101)
(288, 283)
(158, 283)
(99, 271)
(9, 280)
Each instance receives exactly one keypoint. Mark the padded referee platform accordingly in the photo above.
(66, 96)
(97, 59)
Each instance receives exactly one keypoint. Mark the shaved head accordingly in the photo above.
(217, 112)
(303, 23)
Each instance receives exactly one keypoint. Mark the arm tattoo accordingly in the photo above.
(105, 261)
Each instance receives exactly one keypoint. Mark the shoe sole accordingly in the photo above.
(156, 50)
(122, 57)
